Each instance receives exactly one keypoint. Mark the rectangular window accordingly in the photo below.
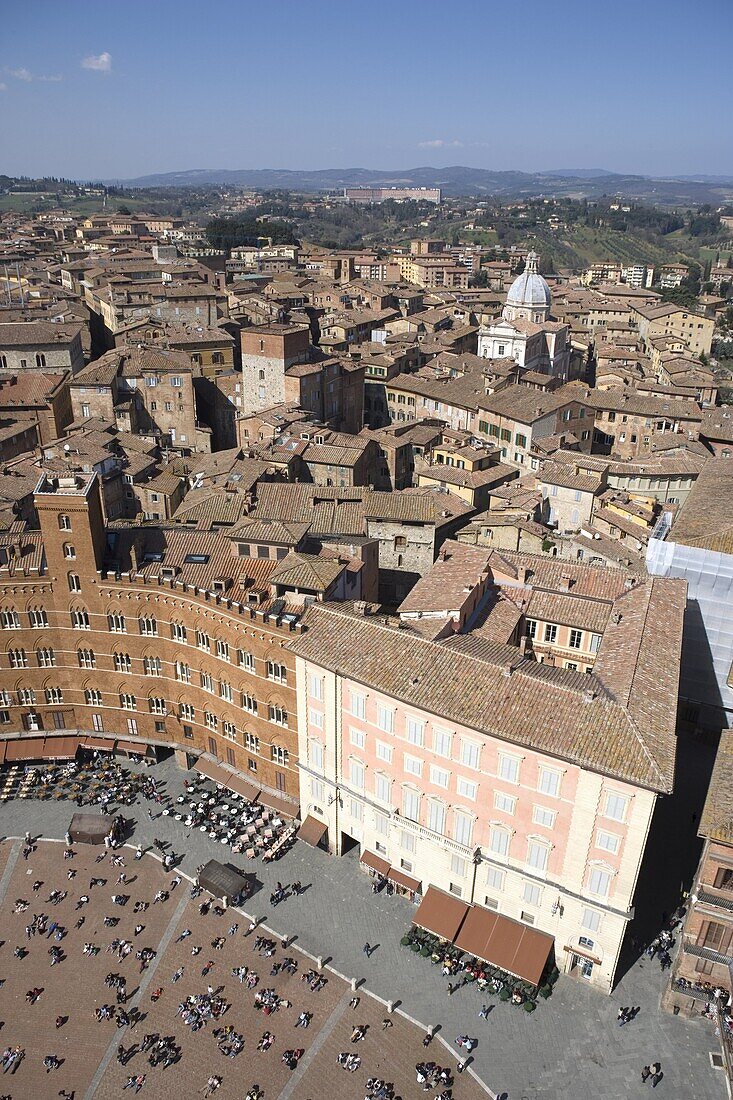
(358, 705)
(499, 841)
(550, 632)
(356, 809)
(531, 628)
(415, 731)
(508, 768)
(385, 718)
(576, 639)
(548, 782)
(505, 802)
(317, 790)
(537, 855)
(382, 788)
(97, 723)
(317, 719)
(458, 866)
(531, 893)
(384, 752)
(357, 737)
(412, 765)
(470, 753)
(442, 743)
(440, 777)
(591, 920)
(495, 878)
(542, 816)
(462, 827)
(315, 754)
(616, 806)
(381, 825)
(609, 842)
(595, 642)
(467, 789)
(356, 774)
(316, 687)
(599, 882)
(411, 804)
(407, 841)
(436, 816)
(456, 889)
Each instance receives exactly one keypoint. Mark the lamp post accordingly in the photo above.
(476, 859)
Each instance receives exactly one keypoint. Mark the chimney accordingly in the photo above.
(589, 694)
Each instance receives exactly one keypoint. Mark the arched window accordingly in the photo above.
(40, 359)
(74, 582)
(80, 618)
(69, 551)
(64, 522)
(86, 657)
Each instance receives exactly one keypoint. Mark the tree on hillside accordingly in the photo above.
(228, 233)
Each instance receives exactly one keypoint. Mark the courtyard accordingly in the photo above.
(571, 1046)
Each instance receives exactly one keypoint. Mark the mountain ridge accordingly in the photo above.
(454, 180)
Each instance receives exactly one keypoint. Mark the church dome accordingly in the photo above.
(529, 290)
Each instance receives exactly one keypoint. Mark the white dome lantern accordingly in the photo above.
(529, 296)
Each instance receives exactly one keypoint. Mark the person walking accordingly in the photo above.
(368, 949)
(645, 1073)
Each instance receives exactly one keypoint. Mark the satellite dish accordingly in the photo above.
(67, 448)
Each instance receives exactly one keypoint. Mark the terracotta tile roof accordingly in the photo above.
(204, 507)
(564, 714)
(716, 821)
(706, 517)
(580, 612)
(310, 571)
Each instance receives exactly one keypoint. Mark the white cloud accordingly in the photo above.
(99, 63)
(3, 87)
(27, 77)
(439, 143)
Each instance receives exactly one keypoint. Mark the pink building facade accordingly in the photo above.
(537, 835)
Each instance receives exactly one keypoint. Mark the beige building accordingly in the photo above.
(461, 763)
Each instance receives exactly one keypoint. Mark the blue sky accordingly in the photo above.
(120, 90)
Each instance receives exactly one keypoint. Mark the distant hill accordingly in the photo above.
(456, 180)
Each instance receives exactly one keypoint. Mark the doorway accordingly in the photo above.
(348, 844)
(581, 967)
